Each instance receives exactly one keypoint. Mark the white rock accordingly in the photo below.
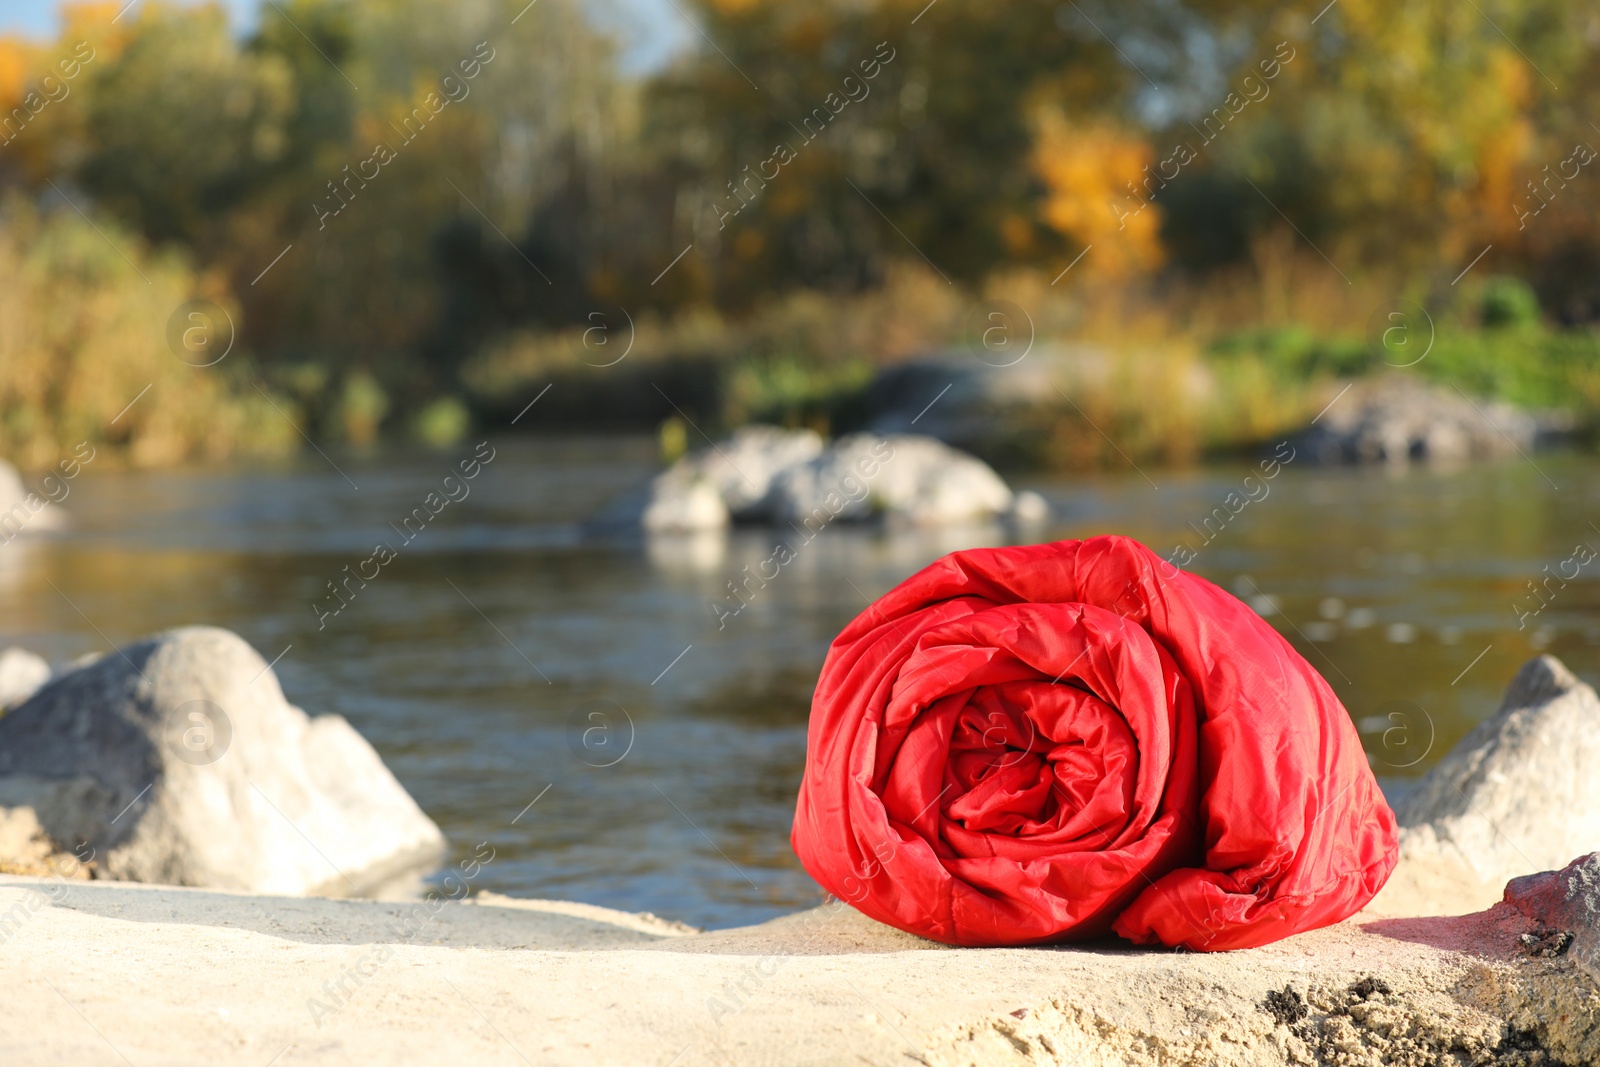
(681, 504)
(743, 467)
(1030, 509)
(178, 760)
(21, 675)
(730, 480)
(22, 511)
(787, 477)
(906, 477)
(1515, 796)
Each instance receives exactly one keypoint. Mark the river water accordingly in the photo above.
(504, 657)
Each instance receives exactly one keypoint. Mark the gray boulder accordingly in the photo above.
(787, 477)
(1515, 796)
(178, 760)
(744, 466)
(971, 398)
(730, 480)
(911, 478)
(1397, 419)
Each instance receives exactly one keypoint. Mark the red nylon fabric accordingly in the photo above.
(1053, 742)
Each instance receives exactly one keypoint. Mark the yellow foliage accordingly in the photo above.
(1094, 174)
(84, 353)
(17, 58)
(92, 22)
(1503, 151)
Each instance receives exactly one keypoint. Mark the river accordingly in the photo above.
(504, 658)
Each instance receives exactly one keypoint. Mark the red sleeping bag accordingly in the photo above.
(1052, 742)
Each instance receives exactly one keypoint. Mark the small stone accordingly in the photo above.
(1545, 943)
(1285, 1005)
(1368, 987)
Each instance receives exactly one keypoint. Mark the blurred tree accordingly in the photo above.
(182, 128)
(1397, 138)
(934, 144)
(1094, 177)
(384, 189)
(85, 311)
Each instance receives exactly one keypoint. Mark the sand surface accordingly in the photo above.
(114, 973)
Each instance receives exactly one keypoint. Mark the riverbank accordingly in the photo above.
(114, 972)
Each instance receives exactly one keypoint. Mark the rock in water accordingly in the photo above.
(907, 477)
(23, 511)
(683, 505)
(1030, 509)
(744, 466)
(178, 760)
(21, 675)
(730, 480)
(1397, 418)
(787, 477)
(1515, 796)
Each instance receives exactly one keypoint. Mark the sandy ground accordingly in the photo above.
(113, 973)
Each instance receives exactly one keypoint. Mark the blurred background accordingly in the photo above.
(281, 266)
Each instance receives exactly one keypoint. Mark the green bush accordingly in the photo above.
(1507, 302)
(442, 423)
(362, 408)
(1295, 353)
(1534, 366)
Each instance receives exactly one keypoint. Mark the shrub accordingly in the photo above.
(83, 335)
